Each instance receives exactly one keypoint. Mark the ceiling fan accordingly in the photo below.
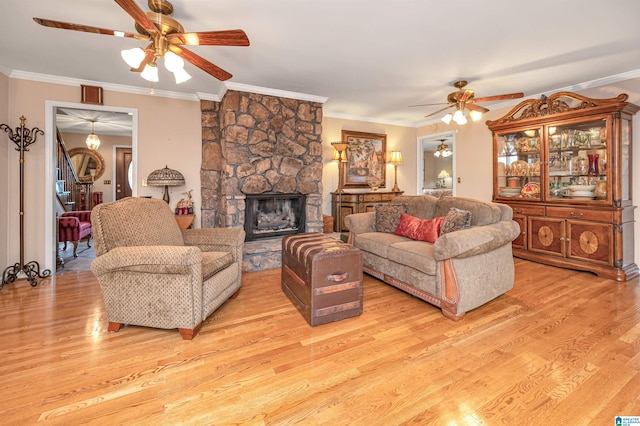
(167, 39)
(464, 99)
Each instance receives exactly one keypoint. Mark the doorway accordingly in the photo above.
(436, 172)
(123, 168)
(51, 108)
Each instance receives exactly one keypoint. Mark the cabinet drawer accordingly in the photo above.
(576, 213)
(528, 210)
(381, 198)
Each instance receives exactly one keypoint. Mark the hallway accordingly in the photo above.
(80, 263)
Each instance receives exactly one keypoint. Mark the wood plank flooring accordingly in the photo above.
(563, 347)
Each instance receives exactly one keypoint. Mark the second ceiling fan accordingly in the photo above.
(167, 39)
(464, 99)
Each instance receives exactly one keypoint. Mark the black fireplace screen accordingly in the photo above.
(272, 215)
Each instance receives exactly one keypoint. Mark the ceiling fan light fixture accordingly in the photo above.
(447, 118)
(475, 115)
(150, 72)
(173, 62)
(181, 76)
(133, 57)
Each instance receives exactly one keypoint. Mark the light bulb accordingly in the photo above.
(173, 62)
(475, 115)
(457, 116)
(447, 118)
(133, 57)
(150, 72)
(181, 75)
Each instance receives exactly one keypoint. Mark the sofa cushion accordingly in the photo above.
(456, 220)
(482, 212)
(414, 254)
(377, 242)
(387, 216)
(423, 206)
(419, 229)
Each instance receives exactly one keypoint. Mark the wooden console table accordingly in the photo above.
(357, 202)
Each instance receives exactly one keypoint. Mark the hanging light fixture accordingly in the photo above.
(172, 62)
(460, 115)
(93, 141)
(443, 150)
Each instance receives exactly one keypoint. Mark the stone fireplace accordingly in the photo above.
(258, 144)
(274, 215)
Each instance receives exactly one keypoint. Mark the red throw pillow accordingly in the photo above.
(419, 229)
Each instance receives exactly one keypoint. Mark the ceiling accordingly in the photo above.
(370, 58)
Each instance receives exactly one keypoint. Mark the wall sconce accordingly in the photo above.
(396, 158)
(165, 177)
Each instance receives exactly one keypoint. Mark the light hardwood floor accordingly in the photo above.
(561, 348)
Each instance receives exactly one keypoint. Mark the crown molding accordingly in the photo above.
(369, 119)
(275, 92)
(67, 81)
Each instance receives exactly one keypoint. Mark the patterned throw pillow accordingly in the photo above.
(456, 220)
(419, 229)
(387, 216)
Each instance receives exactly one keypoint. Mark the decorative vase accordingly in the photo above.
(601, 189)
(593, 164)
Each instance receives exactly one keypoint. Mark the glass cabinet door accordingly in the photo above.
(518, 164)
(577, 161)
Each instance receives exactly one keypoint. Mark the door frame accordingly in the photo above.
(50, 166)
(429, 141)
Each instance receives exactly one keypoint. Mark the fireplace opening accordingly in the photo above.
(273, 215)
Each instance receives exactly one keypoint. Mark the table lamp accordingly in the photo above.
(165, 177)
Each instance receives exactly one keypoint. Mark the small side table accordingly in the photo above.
(184, 220)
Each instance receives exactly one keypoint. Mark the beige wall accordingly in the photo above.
(4, 172)
(106, 150)
(398, 138)
(169, 133)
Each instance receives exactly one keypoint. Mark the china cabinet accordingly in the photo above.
(563, 163)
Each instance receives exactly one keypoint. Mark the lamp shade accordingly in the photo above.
(150, 72)
(165, 177)
(443, 174)
(133, 57)
(396, 157)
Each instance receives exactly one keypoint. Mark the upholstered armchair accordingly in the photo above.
(152, 274)
(74, 226)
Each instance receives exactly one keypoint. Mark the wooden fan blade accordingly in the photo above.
(148, 56)
(421, 105)
(500, 97)
(439, 111)
(88, 29)
(201, 63)
(137, 14)
(474, 107)
(211, 38)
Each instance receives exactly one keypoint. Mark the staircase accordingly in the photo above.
(72, 194)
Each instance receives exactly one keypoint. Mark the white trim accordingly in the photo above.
(370, 120)
(50, 166)
(275, 92)
(420, 156)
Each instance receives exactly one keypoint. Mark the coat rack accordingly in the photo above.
(23, 137)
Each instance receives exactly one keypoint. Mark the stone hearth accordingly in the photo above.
(254, 144)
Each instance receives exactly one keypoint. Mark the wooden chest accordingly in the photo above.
(322, 277)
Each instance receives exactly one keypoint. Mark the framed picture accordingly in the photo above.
(366, 159)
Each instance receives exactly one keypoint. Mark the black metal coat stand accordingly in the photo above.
(23, 137)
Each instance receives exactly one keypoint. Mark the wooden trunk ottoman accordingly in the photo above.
(322, 277)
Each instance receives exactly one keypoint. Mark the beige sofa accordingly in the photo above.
(460, 271)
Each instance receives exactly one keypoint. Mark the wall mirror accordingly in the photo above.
(89, 164)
